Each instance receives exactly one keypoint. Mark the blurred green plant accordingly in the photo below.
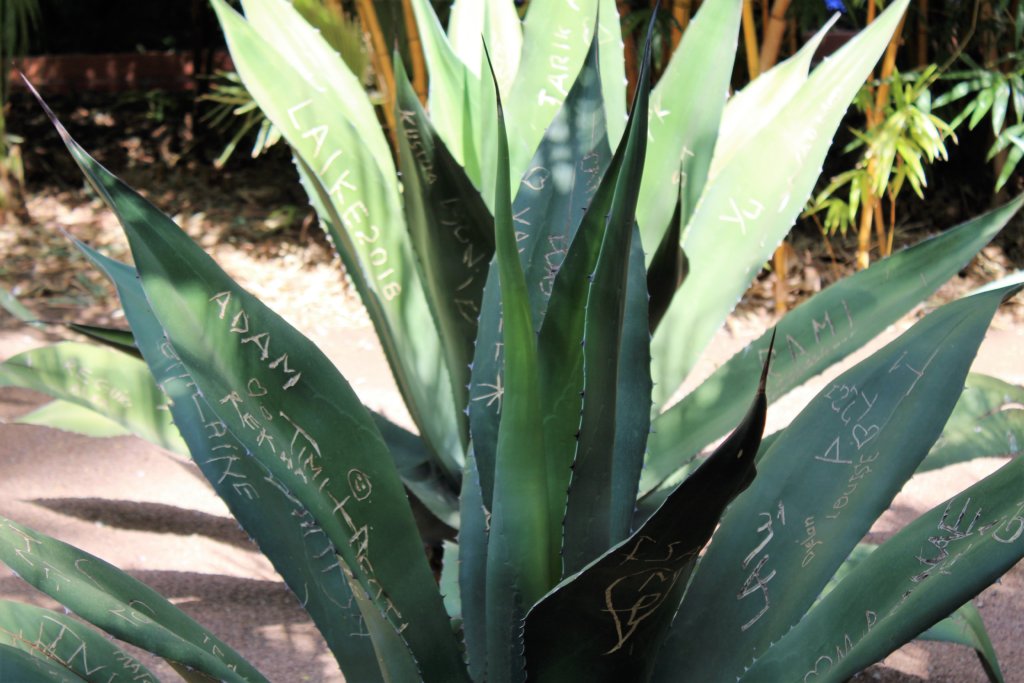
(508, 276)
(18, 19)
(894, 152)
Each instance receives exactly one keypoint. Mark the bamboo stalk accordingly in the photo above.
(922, 33)
(381, 64)
(775, 29)
(681, 12)
(750, 39)
(871, 210)
(419, 67)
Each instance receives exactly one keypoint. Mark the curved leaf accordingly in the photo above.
(686, 107)
(100, 379)
(18, 665)
(925, 571)
(263, 506)
(745, 210)
(285, 402)
(124, 607)
(820, 486)
(523, 543)
(606, 622)
(452, 232)
(615, 407)
(366, 219)
(66, 642)
(988, 421)
(547, 211)
(816, 334)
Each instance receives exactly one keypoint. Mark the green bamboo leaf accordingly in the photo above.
(570, 635)
(454, 108)
(988, 421)
(71, 417)
(615, 416)
(100, 379)
(820, 486)
(745, 211)
(928, 569)
(965, 627)
(263, 506)
(66, 642)
(124, 607)
(452, 232)
(549, 206)
(684, 119)
(522, 550)
(816, 334)
(286, 404)
(556, 38)
(367, 222)
(18, 665)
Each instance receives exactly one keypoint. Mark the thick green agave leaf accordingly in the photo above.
(606, 622)
(103, 380)
(963, 627)
(556, 39)
(616, 385)
(319, 64)
(287, 405)
(71, 417)
(547, 211)
(751, 109)
(18, 665)
(66, 642)
(685, 110)
(745, 211)
(929, 568)
(523, 544)
(454, 107)
(367, 223)
(820, 486)
(816, 334)
(121, 340)
(988, 421)
(472, 563)
(263, 506)
(124, 607)
(452, 232)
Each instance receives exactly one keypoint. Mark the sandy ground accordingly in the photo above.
(152, 514)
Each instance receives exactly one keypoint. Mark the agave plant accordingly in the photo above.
(540, 298)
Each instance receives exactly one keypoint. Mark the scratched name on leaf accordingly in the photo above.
(861, 418)
(337, 178)
(646, 584)
(756, 563)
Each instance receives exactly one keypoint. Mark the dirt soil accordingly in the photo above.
(152, 514)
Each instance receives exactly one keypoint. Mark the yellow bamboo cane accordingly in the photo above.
(419, 68)
(382, 67)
